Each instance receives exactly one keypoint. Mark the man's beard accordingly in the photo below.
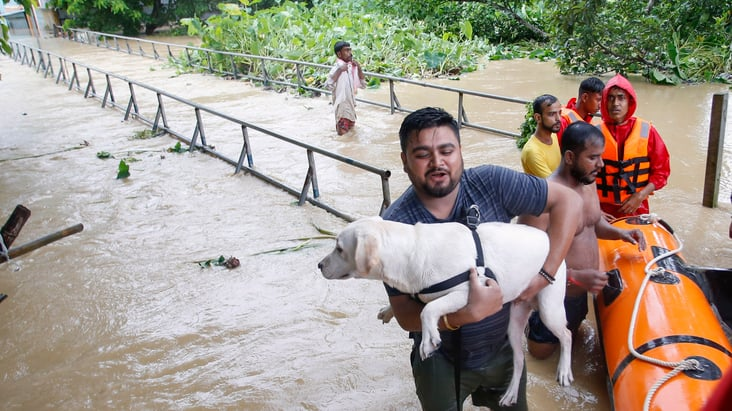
(439, 192)
(585, 179)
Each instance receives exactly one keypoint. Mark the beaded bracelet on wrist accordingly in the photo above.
(548, 277)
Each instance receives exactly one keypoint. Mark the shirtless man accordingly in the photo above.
(582, 147)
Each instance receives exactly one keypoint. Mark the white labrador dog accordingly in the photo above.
(411, 258)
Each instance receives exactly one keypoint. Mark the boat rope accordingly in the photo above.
(677, 367)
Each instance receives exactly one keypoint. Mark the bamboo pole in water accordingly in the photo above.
(28, 247)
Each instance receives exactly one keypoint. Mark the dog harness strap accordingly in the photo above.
(462, 277)
(479, 261)
(472, 221)
(447, 284)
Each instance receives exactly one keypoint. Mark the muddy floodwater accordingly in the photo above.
(121, 315)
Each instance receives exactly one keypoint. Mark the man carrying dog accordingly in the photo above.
(582, 147)
(442, 191)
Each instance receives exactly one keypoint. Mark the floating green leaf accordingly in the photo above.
(123, 171)
(178, 148)
(231, 262)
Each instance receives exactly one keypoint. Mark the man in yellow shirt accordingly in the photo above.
(540, 155)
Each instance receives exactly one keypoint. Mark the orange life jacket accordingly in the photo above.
(620, 178)
(570, 115)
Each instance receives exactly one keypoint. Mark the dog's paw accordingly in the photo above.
(564, 377)
(508, 399)
(385, 314)
(429, 346)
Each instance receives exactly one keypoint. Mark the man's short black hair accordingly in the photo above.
(591, 85)
(339, 45)
(425, 118)
(539, 102)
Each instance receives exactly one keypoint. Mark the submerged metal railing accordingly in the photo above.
(72, 73)
(202, 58)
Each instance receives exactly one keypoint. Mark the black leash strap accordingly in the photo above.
(473, 219)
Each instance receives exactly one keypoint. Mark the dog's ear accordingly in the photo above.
(367, 253)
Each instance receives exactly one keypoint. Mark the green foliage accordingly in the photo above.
(5, 47)
(178, 148)
(109, 16)
(231, 262)
(4, 44)
(667, 42)
(381, 43)
(492, 21)
(145, 134)
(528, 127)
(123, 171)
(129, 16)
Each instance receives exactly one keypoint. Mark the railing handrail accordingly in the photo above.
(42, 60)
(85, 37)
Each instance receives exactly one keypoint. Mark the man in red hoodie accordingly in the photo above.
(636, 159)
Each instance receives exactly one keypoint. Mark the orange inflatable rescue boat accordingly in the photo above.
(664, 346)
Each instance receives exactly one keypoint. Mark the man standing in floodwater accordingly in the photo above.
(540, 155)
(636, 159)
(582, 148)
(344, 80)
(442, 190)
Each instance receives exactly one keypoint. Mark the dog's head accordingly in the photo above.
(356, 253)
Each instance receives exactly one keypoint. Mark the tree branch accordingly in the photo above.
(505, 7)
(636, 58)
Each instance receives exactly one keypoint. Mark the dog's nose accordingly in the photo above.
(320, 265)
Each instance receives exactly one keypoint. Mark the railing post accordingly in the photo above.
(61, 70)
(265, 75)
(160, 114)
(41, 62)
(89, 84)
(74, 77)
(245, 151)
(233, 67)
(300, 79)
(199, 131)
(108, 92)
(392, 96)
(715, 149)
(310, 178)
(49, 66)
(461, 111)
(132, 103)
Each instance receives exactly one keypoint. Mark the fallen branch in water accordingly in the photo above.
(306, 242)
(82, 145)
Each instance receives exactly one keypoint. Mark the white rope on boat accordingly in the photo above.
(677, 367)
